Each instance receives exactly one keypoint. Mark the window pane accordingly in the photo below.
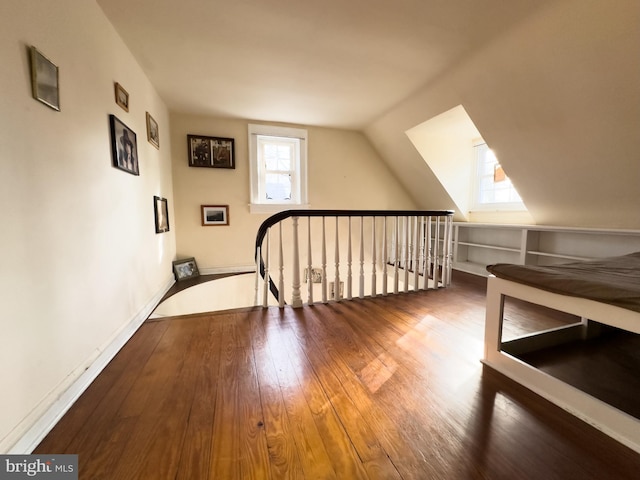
(276, 156)
(278, 186)
(493, 188)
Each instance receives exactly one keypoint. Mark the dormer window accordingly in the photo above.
(492, 188)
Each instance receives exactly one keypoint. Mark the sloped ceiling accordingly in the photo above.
(558, 100)
(553, 86)
(336, 63)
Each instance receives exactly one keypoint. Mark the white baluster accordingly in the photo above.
(324, 264)
(373, 258)
(256, 300)
(384, 256)
(281, 269)
(427, 275)
(265, 290)
(423, 256)
(436, 254)
(448, 246)
(406, 254)
(396, 260)
(336, 280)
(309, 263)
(296, 299)
(349, 261)
(416, 254)
(361, 289)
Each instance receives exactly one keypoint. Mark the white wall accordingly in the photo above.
(557, 97)
(81, 261)
(343, 169)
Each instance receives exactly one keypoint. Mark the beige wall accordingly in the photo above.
(81, 260)
(344, 172)
(558, 98)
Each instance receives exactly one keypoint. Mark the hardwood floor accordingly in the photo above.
(383, 388)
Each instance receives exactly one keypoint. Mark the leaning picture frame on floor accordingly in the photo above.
(185, 269)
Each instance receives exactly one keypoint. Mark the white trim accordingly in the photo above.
(276, 207)
(35, 426)
(615, 423)
(302, 181)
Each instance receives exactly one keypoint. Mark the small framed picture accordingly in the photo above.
(124, 146)
(215, 215)
(332, 290)
(122, 97)
(185, 269)
(161, 213)
(211, 152)
(152, 132)
(44, 80)
(315, 277)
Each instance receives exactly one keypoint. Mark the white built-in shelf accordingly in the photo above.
(490, 247)
(476, 245)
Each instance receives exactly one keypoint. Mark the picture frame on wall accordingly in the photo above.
(185, 269)
(153, 135)
(211, 152)
(213, 215)
(44, 79)
(124, 146)
(122, 96)
(161, 214)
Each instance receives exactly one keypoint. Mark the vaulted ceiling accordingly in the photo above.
(553, 86)
(338, 63)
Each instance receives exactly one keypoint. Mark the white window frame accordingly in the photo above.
(259, 204)
(476, 205)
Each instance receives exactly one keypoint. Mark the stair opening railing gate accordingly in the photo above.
(397, 251)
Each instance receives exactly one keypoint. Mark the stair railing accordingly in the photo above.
(412, 249)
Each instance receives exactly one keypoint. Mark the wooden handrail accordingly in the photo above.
(280, 216)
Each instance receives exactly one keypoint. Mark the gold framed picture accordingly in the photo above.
(122, 97)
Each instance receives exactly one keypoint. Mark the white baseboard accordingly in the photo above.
(38, 424)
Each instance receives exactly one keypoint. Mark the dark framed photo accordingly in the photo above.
(124, 146)
(211, 152)
(161, 213)
(185, 269)
(153, 136)
(44, 80)
(215, 215)
(122, 97)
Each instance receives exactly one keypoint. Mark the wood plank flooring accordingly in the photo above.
(382, 388)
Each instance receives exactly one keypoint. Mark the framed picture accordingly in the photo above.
(44, 80)
(215, 215)
(122, 97)
(185, 269)
(152, 132)
(161, 212)
(332, 290)
(212, 152)
(315, 277)
(124, 146)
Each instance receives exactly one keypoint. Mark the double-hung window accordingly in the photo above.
(492, 188)
(278, 158)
